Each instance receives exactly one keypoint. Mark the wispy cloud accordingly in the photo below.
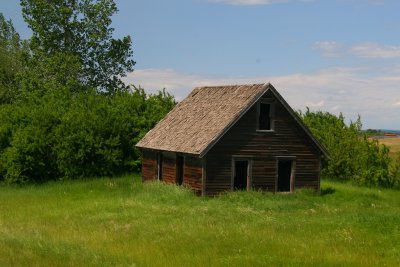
(247, 2)
(363, 50)
(316, 105)
(373, 50)
(328, 48)
(352, 91)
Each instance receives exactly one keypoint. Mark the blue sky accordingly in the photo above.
(330, 55)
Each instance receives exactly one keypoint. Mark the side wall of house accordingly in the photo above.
(169, 168)
(149, 165)
(192, 169)
(264, 148)
(192, 173)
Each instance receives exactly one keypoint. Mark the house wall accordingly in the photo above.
(149, 165)
(287, 139)
(192, 173)
(192, 169)
(169, 168)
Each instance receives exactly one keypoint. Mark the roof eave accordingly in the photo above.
(299, 121)
(170, 151)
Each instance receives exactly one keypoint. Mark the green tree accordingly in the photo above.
(73, 135)
(80, 30)
(59, 123)
(11, 48)
(353, 156)
(395, 171)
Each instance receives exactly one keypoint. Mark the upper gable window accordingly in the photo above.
(265, 116)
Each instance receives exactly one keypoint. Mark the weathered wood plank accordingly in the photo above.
(287, 139)
(149, 165)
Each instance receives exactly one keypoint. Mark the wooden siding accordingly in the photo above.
(287, 139)
(149, 165)
(192, 173)
(192, 169)
(169, 168)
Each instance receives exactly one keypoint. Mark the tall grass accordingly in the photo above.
(122, 222)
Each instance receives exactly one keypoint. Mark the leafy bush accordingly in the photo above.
(64, 135)
(64, 110)
(352, 155)
(26, 148)
(395, 172)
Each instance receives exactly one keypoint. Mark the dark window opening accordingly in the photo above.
(241, 175)
(284, 175)
(160, 166)
(264, 116)
(179, 170)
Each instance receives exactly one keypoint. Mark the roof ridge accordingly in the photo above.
(230, 85)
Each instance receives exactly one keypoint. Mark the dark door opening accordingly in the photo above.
(241, 175)
(179, 170)
(284, 175)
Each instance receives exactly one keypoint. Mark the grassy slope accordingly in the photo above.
(117, 222)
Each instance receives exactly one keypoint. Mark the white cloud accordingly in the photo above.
(373, 50)
(363, 50)
(248, 2)
(328, 48)
(351, 91)
(178, 84)
(316, 104)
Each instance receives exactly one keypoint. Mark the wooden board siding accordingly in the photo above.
(307, 173)
(264, 174)
(287, 139)
(192, 169)
(149, 165)
(192, 173)
(169, 168)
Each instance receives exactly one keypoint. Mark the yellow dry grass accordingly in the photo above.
(392, 143)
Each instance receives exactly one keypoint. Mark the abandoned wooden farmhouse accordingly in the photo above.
(237, 137)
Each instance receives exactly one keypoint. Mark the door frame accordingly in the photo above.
(249, 182)
(292, 172)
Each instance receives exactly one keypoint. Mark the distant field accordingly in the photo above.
(121, 222)
(392, 143)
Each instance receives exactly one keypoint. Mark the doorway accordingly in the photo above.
(179, 170)
(285, 175)
(241, 174)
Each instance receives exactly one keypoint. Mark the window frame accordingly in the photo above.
(271, 104)
(249, 180)
(292, 181)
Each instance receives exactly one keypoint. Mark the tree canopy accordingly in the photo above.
(64, 111)
(11, 48)
(353, 156)
(80, 31)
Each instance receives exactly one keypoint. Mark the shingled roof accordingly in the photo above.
(198, 122)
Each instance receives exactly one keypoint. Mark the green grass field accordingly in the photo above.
(121, 222)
